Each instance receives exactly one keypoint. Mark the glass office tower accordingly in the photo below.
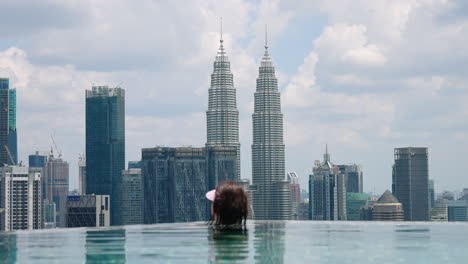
(410, 182)
(8, 134)
(105, 144)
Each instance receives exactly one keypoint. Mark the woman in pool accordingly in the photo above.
(229, 204)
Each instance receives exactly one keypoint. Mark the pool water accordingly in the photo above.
(261, 242)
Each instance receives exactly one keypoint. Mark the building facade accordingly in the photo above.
(295, 190)
(134, 164)
(21, 198)
(353, 177)
(131, 193)
(354, 202)
(38, 160)
(327, 191)
(268, 160)
(82, 174)
(431, 193)
(88, 210)
(56, 184)
(387, 208)
(222, 164)
(49, 214)
(410, 182)
(175, 181)
(105, 144)
(222, 116)
(8, 133)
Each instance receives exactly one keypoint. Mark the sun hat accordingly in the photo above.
(211, 195)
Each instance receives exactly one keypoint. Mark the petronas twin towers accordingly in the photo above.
(271, 198)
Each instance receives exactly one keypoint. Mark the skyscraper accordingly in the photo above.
(131, 202)
(268, 147)
(56, 181)
(8, 136)
(222, 116)
(21, 197)
(353, 177)
(327, 191)
(410, 182)
(105, 144)
(38, 160)
(82, 174)
(174, 182)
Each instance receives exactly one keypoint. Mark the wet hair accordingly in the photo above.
(230, 204)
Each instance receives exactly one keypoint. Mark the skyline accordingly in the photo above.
(335, 79)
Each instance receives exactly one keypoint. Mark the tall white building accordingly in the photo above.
(21, 198)
(268, 148)
(222, 116)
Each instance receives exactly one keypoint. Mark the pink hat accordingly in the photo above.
(211, 195)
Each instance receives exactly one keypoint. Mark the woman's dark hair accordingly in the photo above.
(230, 204)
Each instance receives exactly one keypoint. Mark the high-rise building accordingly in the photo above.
(21, 198)
(410, 182)
(88, 210)
(353, 177)
(222, 116)
(82, 174)
(295, 190)
(50, 214)
(38, 160)
(387, 208)
(174, 185)
(222, 165)
(354, 202)
(8, 134)
(431, 193)
(327, 191)
(105, 144)
(439, 213)
(131, 192)
(134, 164)
(268, 148)
(56, 181)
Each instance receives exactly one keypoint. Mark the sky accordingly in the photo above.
(362, 76)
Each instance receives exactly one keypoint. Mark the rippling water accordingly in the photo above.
(261, 242)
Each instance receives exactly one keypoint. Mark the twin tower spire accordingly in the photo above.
(268, 173)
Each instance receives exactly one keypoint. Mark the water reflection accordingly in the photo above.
(8, 249)
(228, 245)
(269, 242)
(105, 246)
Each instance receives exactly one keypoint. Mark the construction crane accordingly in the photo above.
(10, 156)
(55, 146)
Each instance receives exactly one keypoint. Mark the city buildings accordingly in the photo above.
(130, 195)
(222, 164)
(431, 193)
(56, 181)
(439, 213)
(327, 191)
(21, 198)
(105, 144)
(88, 210)
(222, 116)
(175, 181)
(134, 164)
(353, 177)
(410, 182)
(387, 208)
(268, 163)
(295, 189)
(82, 174)
(38, 160)
(50, 211)
(8, 134)
(354, 202)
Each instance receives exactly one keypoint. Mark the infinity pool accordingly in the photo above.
(262, 242)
